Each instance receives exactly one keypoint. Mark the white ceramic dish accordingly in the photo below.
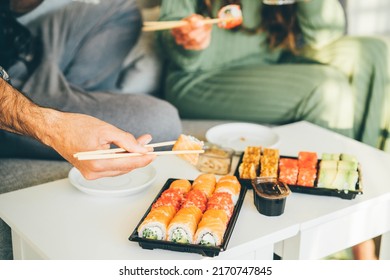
(240, 135)
(123, 185)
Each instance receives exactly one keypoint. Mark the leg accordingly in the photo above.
(134, 113)
(5, 241)
(274, 94)
(366, 63)
(365, 250)
(90, 41)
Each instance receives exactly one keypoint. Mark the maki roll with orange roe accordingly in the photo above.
(288, 170)
(195, 198)
(205, 183)
(170, 197)
(221, 201)
(307, 163)
(229, 184)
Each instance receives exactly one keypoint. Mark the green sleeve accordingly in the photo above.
(177, 55)
(321, 21)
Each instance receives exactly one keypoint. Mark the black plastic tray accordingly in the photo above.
(209, 251)
(344, 194)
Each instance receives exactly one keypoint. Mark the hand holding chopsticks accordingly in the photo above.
(121, 153)
(229, 17)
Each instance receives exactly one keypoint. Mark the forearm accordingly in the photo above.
(20, 115)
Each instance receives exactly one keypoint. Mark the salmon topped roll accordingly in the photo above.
(211, 228)
(181, 184)
(155, 225)
(221, 201)
(230, 185)
(187, 142)
(195, 198)
(182, 227)
(205, 183)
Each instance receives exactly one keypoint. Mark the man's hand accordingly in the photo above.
(71, 133)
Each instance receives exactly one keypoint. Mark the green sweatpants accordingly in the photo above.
(347, 90)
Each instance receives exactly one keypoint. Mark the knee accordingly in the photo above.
(161, 119)
(331, 102)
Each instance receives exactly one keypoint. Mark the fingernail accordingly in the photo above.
(145, 141)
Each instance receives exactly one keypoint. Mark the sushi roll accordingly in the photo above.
(211, 228)
(183, 226)
(195, 198)
(181, 184)
(247, 170)
(205, 183)
(269, 163)
(188, 142)
(221, 201)
(155, 225)
(232, 15)
(288, 170)
(170, 197)
(307, 160)
(329, 156)
(307, 177)
(252, 154)
(229, 184)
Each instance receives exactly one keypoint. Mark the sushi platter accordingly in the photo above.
(337, 175)
(171, 241)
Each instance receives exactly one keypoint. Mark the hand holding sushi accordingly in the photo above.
(196, 35)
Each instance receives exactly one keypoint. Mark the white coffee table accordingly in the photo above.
(56, 221)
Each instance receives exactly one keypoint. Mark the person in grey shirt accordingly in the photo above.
(70, 60)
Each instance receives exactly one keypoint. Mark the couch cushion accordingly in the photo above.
(22, 173)
(142, 67)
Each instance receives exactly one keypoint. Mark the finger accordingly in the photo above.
(114, 167)
(125, 140)
(144, 139)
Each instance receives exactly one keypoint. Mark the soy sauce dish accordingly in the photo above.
(270, 195)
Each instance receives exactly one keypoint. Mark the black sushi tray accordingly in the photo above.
(344, 194)
(207, 251)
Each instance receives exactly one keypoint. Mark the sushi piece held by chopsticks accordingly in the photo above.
(188, 143)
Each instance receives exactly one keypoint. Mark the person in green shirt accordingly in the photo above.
(283, 64)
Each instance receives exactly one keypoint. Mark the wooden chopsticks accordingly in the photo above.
(164, 25)
(122, 153)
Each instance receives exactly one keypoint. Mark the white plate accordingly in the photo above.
(240, 135)
(123, 185)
